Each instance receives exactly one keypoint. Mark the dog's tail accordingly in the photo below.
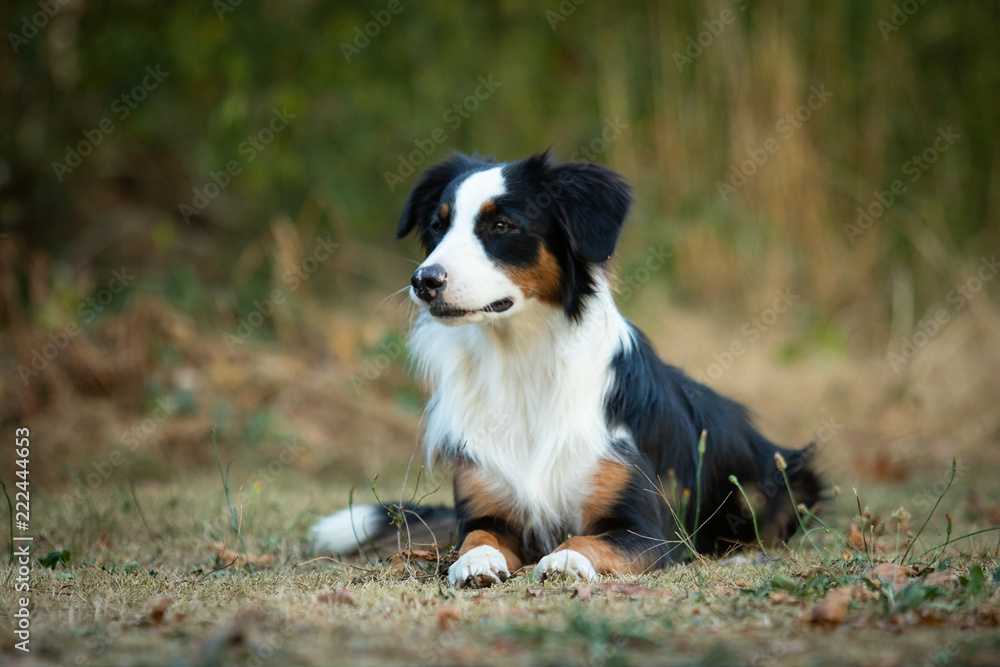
(370, 529)
(806, 487)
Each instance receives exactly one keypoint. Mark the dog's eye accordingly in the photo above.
(501, 226)
(437, 226)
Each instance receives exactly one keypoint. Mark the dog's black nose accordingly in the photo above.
(427, 280)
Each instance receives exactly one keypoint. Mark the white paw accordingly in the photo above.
(479, 567)
(566, 562)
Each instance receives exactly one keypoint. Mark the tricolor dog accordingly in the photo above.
(573, 446)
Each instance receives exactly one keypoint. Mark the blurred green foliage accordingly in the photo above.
(687, 89)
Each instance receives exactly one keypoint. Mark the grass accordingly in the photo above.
(106, 604)
(170, 584)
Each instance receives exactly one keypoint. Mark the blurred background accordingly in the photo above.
(198, 204)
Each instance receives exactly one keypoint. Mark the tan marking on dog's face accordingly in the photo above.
(444, 211)
(488, 208)
(541, 280)
(605, 558)
(606, 487)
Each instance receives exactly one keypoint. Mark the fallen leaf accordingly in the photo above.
(339, 596)
(863, 594)
(781, 597)
(941, 579)
(420, 554)
(856, 538)
(832, 609)
(898, 575)
(618, 589)
(885, 468)
(156, 609)
(540, 591)
(227, 556)
(447, 618)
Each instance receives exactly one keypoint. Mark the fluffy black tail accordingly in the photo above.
(370, 529)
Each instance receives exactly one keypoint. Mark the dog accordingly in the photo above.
(573, 446)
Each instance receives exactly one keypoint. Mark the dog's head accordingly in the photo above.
(498, 236)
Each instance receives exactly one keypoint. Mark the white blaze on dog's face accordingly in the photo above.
(501, 237)
(475, 287)
(487, 256)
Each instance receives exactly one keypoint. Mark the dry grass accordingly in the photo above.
(299, 437)
(138, 593)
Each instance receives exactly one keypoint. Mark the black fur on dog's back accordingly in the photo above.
(666, 411)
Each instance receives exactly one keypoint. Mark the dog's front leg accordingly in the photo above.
(490, 540)
(621, 529)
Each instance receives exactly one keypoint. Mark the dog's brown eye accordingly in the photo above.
(437, 226)
(500, 226)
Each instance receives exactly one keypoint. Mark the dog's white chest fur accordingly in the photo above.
(526, 402)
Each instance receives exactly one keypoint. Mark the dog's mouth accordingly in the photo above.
(444, 311)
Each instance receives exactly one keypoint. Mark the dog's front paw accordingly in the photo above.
(566, 562)
(478, 568)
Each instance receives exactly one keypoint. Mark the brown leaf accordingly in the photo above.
(856, 538)
(617, 589)
(832, 609)
(781, 597)
(447, 618)
(420, 554)
(156, 609)
(941, 579)
(540, 591)
(227, 556)
(898, 575)
(863, 594)
(339, 596)
(888, 469)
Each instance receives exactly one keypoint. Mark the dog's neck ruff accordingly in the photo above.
(524, 399)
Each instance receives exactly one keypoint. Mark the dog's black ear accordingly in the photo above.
(426, 195)
(591, 203)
